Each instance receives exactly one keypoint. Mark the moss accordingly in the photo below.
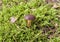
(18, 32)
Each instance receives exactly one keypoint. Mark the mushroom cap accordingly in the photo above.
(29, 17)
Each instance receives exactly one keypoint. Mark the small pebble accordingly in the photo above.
(13, 19)
(55, 6)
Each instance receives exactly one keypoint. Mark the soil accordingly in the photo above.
(50, 31)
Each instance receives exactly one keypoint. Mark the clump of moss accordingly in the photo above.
(46, 17)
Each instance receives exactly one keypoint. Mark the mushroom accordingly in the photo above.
(29, 19)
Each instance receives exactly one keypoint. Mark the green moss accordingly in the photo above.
(18, 32)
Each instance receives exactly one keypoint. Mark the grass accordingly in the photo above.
(46, 17)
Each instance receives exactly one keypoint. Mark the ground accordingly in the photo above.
(45, 27)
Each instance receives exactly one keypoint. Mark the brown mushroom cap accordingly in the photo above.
(29, 17)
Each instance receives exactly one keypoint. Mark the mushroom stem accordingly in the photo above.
(29, 23)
